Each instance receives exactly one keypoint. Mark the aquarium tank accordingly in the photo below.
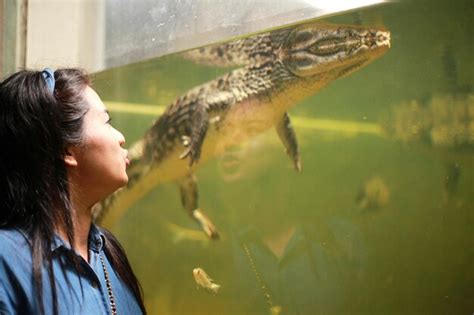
(298, 167)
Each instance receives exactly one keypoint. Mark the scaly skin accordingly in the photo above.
(281, 68)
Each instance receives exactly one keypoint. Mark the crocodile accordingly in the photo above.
(278, 69)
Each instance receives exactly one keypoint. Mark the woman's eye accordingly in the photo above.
(109, 121)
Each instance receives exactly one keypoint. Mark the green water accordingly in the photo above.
(412, 253)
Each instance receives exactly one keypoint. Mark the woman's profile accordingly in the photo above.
(59, 155)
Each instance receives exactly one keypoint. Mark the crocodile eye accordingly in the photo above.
(302, 62)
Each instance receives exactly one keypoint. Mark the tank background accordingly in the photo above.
(419, 249)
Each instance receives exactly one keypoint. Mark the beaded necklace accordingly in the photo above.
(113, 306)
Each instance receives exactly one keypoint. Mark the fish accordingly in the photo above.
(203, 280)
(373, 194)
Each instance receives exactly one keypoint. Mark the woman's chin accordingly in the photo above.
(119, 183)
(123, 182)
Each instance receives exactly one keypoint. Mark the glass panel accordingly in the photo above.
(138, 30)
(378, 221)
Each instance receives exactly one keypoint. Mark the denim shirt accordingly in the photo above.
(76, 293)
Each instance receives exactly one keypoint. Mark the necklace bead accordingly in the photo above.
(113, 306)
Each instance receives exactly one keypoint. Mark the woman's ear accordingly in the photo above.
(70, 158)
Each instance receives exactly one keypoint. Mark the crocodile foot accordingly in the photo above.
(206, 224)
(191, 151)
(198, 129)
(288, 138)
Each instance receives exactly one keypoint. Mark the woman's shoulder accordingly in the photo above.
(13, 241)
(15, 254)
(11, 235)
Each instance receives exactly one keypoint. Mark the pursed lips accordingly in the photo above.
(127, 161)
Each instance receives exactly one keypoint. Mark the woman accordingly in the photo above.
(59, 156)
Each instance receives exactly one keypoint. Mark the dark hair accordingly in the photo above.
(36, 126)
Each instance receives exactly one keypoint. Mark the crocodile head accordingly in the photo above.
(318, 49)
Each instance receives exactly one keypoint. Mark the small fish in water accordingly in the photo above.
(374, 194)
(203, 280)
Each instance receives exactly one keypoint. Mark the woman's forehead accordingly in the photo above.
(95, 103)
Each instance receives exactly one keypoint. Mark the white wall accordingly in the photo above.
(63, 33)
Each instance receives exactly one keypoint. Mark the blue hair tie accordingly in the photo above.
(48, 76)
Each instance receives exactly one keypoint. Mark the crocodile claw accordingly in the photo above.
(194, 141)
(191, 150)
(206, 224)
(185, 154)
(193, 156)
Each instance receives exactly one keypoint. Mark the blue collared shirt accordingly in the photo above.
(17, 288)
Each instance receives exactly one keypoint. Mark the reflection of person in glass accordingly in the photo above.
(285, 260)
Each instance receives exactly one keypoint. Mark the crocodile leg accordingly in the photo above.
(288, 137)
(189, 198)
(198, 126)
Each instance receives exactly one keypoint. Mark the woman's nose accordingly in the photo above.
(121, 138)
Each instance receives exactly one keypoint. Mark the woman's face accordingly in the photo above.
(102, 161)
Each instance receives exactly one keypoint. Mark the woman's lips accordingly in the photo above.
(127, 161)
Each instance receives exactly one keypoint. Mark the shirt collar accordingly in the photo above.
(58, 243)
(96, 240)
